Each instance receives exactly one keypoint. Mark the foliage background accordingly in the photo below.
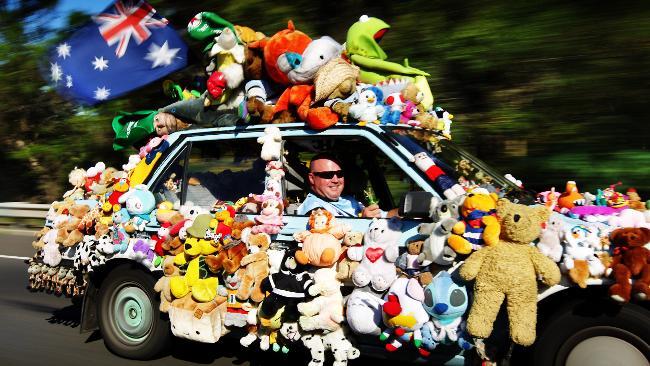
(548, 91)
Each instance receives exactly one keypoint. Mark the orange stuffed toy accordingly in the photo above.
(631, 259)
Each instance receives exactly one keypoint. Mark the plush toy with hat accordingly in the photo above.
(363, 50)
(334, 83)
(631, 261)
(508, 270)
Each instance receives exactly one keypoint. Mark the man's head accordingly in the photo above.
(326, 177)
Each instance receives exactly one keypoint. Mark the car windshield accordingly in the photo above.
(458, 163)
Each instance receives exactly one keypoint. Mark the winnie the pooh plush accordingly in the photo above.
(477, 226)
(509, 270)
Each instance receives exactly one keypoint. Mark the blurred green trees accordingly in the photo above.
(547, 91)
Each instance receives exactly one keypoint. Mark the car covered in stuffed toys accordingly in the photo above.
(203, 234)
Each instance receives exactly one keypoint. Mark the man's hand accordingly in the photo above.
(371, 211)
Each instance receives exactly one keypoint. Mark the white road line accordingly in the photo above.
(13, 257)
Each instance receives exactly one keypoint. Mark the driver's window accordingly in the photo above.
(170, 184)
(367, 169)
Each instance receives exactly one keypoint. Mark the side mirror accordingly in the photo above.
(416, 205)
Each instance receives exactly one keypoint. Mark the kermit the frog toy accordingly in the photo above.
(363, 50)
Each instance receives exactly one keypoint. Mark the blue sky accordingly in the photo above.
(88, 6)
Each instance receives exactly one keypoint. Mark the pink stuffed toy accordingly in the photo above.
(270, 219)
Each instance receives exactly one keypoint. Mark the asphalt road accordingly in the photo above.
(40, 328)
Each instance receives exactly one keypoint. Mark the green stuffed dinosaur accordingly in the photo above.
(363, 50)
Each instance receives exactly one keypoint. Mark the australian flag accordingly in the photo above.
(125, 47)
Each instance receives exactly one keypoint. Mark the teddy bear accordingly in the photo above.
(68, 233)
(478, 225)
(345, 266)
(228, 258)
(256, 264)
(162, 285)
(509, 269)
(403, 314)
(407, 263)
(321, 244)
(631, 260)
(378, 254)
(326, 310)
(271, 143)
(549, 242)
(76, 177)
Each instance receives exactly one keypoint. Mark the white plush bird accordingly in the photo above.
(366, 109)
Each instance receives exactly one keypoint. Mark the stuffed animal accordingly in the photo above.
(197, 322)
(478, 225)
(162, 285)
(403, 314)
(334, 82)
(367, 108)
(363, 50)
(142, 251)
(271, 144)
(345, 266)
(140, 204)
(570, 198)
(440, 179)
(77, 178)
(394, 106)
(51, 253)
(446, 301)
(363, 310)
(326, 310)
(321, 244)
(317, 53)
(228, 258)
(445, 214)
(378, 255)
(549, 242)
(580, 259)
(119, 234)
(269, 221)
(237, 310)
(336, 341)
(408, 263)
(509, 270)
(256, 264)
(631, 260)
(629, 218)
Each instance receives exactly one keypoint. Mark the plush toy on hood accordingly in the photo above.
(321, 244)
(631, 260)
(445, 214)
(580, 260)
(446, 301)
(570, 198)
(256, 264)
(549, 242)
(140, 204)
(378, 254)
(478, 225)
(403, 314)
(344, 265)
(336, 341)
(509, 269)
(325, 311)
(269, 220)
(441, 180)
(363, 50)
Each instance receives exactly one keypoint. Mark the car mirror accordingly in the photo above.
(415, 205)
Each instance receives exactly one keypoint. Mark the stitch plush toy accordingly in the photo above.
(478, 226)
(631, 260)
(326, 310)
(403, 313)
(446, 301)
(509, 270)
(321, 244)
(378, 255)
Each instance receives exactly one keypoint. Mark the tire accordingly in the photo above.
(595, 333)
(129, 317)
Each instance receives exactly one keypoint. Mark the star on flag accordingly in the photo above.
(102, 93)
(63, 50)
(55, 72)
(161, 56)
(100, 64)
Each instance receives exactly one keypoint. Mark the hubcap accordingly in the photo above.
(132, 314)
(605, 350)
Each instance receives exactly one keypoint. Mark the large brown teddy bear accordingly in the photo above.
(256, 265)
(170, 270)
(509, 269)
(631, 259)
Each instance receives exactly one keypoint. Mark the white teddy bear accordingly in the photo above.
(326, 310)
(271, 144)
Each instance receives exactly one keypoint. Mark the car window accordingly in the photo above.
(366, 167)
(224, 170)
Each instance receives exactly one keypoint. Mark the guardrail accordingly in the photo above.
(23, 214)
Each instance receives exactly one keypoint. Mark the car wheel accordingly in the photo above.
(595, 333)
(129, 317)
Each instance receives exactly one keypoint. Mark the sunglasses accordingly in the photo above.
(329, 174)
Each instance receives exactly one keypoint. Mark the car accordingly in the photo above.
(209, 165)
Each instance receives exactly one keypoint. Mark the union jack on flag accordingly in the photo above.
(126, 46)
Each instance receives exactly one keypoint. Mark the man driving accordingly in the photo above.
(326, 181)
